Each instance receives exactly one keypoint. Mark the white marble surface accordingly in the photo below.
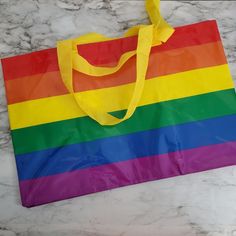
(194, 205)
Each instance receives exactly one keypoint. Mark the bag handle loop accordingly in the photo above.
(148, 36)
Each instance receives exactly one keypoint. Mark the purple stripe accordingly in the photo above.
(76, 183)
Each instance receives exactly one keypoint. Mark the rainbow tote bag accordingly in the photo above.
(98, 113)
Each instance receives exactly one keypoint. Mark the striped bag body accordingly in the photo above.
(184, 122)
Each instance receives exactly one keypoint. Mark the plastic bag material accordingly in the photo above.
(184, 121)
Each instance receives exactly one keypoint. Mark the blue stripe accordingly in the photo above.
(121, 148)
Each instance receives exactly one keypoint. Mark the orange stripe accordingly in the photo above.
(161, 63)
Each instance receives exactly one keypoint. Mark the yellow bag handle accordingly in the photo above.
(148, 36)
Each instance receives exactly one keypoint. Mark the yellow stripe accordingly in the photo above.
(184, 84)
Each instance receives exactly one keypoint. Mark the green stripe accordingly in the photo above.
(147, 117)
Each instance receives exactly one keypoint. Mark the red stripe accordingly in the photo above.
(46, 60)
(30, 64)
(189, 35)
